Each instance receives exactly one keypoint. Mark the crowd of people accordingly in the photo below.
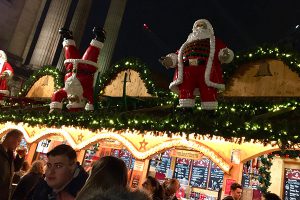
(63, 178)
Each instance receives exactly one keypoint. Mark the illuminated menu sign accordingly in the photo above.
(246, 180)
(125, 156)
(215, 178)
(182, 169)
(162, 163)
(199, 175)
(292, 184)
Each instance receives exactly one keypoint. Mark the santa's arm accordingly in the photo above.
(8, 71)
(169, 61)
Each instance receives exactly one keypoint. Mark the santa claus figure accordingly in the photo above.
(79, 78)
(6, 72)
(198, 67)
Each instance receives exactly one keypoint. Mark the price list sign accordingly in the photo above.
(182, 169)
(126, 157)
(292, 184)
(164, 164)
(199, 175)
(246, 180)
(215, 178)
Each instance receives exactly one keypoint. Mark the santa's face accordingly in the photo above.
(200, 31)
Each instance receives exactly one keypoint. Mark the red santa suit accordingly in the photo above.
(198, 69)
(79, 87)
(6, 72)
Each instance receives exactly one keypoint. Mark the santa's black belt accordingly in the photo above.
(81, 72)
(194, 62)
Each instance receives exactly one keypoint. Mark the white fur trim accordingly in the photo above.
(55, 105)
(229, 59)
(97, 44)
(210, 105)
(174, 58)
(69, 42)
(5, 92)
(75, 105)
(3, 56)
(89, 107)
(186, 102)
(76, 61)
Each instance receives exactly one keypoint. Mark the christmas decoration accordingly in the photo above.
(79, 79)
(6, 72)
(264, 173)
(198, 67)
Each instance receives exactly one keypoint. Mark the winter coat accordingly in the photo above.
(9, 164)
(117, 194)
(26, 186)
(43, 192)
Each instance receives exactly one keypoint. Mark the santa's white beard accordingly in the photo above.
(199, 34)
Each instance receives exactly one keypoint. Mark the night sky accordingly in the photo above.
(241, 25)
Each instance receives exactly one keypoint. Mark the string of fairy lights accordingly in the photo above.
(236, 118)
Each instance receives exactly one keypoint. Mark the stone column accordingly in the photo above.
(49, 37)
(77, 26)
(26, 27)
(111, 26)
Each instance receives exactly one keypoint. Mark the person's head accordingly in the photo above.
(61, 166)
(153, 187)
(12, 139)
(3, 56)
(236, 191)
(107, 172)
(37, 167)
(25, 166)
(271, 196)
(171, 186)
(202, 29)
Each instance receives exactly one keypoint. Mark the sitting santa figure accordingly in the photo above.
(198, 67)
(6, 72)
(79, 77)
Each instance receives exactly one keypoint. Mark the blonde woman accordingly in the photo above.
(29, 181)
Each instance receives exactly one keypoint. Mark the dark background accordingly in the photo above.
(242, 25)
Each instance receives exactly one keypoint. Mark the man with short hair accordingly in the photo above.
(235, 192)
(9, 163)
(171, 186)
(64, 177)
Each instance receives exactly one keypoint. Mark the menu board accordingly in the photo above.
(292, 184)
(199, 175)
(126, 157)
(161, 164)
(182, 169)
(215, 178)
(246, 180)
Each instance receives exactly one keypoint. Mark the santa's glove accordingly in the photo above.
(67, 34)
(99, 33)
(167, 62)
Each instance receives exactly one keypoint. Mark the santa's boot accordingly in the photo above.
(99, 33)
(67, 34)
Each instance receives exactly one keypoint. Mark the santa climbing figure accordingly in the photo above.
(79, 78)
(198, 67)
(6, 72)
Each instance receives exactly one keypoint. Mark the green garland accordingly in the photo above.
(262, 121)
(291, 59)
(264, 173)
(46, 70)
(136, 65)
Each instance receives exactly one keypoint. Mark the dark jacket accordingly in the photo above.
(228, 198)
(43, 192)
(116, 194)
(26, 186)
(8, 165)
